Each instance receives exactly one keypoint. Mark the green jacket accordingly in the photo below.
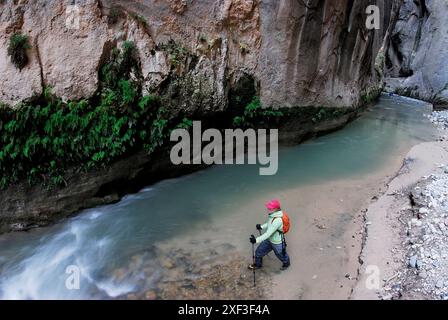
(273, 228)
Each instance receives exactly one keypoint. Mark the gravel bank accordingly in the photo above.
(405, 254)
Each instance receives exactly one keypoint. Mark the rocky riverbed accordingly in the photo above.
(218, 273)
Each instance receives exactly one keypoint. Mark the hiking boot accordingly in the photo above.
(252, 267)
(284, 267)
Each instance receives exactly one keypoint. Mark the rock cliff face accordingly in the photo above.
(416, 60)
(66, 59)
(200, 57)
(198, 54)
(318, 52)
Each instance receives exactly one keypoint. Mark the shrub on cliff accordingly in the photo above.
(139, 18)
(115, 14)
(122, 65)
(17, 50)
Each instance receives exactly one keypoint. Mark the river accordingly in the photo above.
(208, 216)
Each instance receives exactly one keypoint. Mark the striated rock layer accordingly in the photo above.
(416, 60)
(292, 53)
(201, 57)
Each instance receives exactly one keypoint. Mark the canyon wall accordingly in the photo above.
(201, 55)
(416, 59)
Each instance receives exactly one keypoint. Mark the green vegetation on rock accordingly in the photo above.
(370, 95)
(139, 18)
(42, 138)
(17, 50)
(115, 14)
(177, 54)
(255, 115)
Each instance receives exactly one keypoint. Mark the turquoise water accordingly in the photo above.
(33, 264)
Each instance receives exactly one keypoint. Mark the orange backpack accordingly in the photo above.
(286, 222)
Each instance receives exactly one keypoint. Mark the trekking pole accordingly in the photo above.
(253, 261)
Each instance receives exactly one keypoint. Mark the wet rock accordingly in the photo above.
(168, 263)
(119, 274)
(194, 276)
(150, 295)
(19, 227)
(136, 262)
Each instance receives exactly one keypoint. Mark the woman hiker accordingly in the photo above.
(273, 238)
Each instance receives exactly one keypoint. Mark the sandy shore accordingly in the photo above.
(325, 246)
(385, 272)
(345, 230)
